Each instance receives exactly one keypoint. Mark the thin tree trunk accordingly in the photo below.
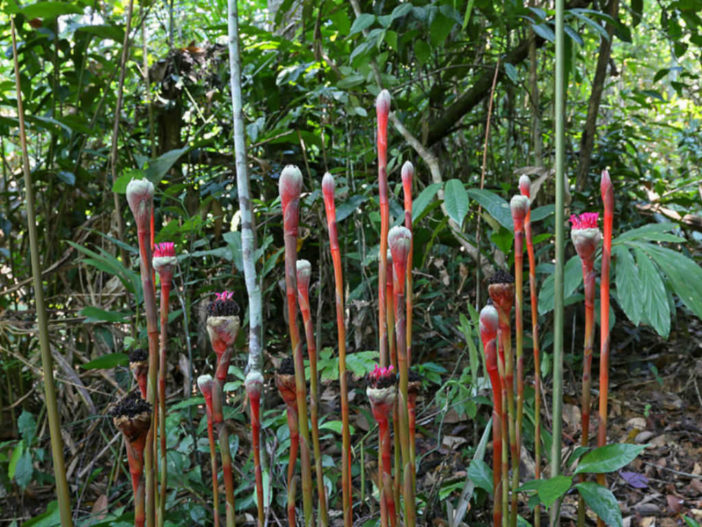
(587, 140)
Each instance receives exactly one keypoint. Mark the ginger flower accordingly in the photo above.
(132, 416)
(206, 384)
(489, 321)
(381, 391)
(222, 321)
(139, 365)
(520, 207)
(501, 291)
(285, 382)
(164, 258)
(254, 384)
(585, 234)
(140, 196)
(525, 186)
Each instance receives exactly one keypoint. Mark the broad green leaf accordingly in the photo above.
(440, 29)
(601, 500)
(422, 51)
(685, 275)
(349, 206)
(27, 426)
(50, 10)
(654, 300)
(104, 31)
(456, 200)
(361, 363)
(573, 277)
(541, 213)
(401, 10)
(14, 459)
(106, 362)
(162, 164)
(364, 21)
(95, 314)
(628, 284)
(608, 458)
(497, 207)
(24, 469)
(425, 197)
(549, 490)
(655, 232)
(481, 475)
(52, 518)
(544, 31)
(511, 72)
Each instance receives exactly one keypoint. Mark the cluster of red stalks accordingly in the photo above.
(506, 291)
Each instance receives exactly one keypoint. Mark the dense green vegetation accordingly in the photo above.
(311, 72)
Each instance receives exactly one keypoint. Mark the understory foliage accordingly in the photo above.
(311, 72)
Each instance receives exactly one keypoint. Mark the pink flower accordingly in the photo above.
(585, 235)
(586, 220)
(164, 249)
(224, 296)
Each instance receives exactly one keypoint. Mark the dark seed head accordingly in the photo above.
(138, 355)
(287, 367)
(501, 277)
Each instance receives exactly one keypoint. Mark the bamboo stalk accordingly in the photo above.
(164, 260)
(290, 186)
(304, 272)
(489, 320)
(525, 190)
(205, 383)
(62, 490)
(285, 382)
(558, 306)
(330, 209)
(399, 239)
(607, 191)
(586, 237)
(140, 195)
(501, 291)
(382, 107)
(519, 206)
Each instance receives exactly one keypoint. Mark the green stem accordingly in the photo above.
(559, 113)
(62, 491)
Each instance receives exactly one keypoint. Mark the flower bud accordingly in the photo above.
(304, 272)
(289, 185)
(381, 391)
(585, 235)
(520, 207)
(254, 384)
(222, 322)
(164, 258)
(139, 365)
(607, 190)
(489, 320)
(501, 291)
(382, 103)
(399, 239)
(140, 196)
(525, 186)
(285, 382)
(407, 175)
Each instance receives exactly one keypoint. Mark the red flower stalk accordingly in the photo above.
(607, 191)
(222, 328)
(489, 320)
(132, 416)
(206, 384)
(330, 209)
(164, 261)
(399, 240)
(389, 294)
(254, 385)
(525, 190)
(140, 194)
(285, 382)
(304, 273)
(414, 387)
(289, 187)
(501, 291)
(382, 107)
(139, 365)
(381, 392)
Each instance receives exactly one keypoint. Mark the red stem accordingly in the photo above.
(255, 402)
(386, 470)
(166, 277)
(382, 143)
(135, 458)
(213, 466)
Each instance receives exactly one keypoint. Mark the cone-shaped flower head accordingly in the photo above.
(328, 187)
(289, 186)
(164, 258)
(206, 384)
(132, 416)
(222, 321)
(407, 175)
(140, 196)
(501, 291)
(520, 207)
(139, 365)
(607, 190)
(525, 186)
(585, 235)
(254, 384)
(382, 108)
(285, 382)
(489, 320)
(304, 273)
(399, 241)
(381, 391)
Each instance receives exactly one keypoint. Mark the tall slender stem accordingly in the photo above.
(382, 105)
(285, 382)
(290, 186)
(165, 295)
(559, 117)
(304, 272)
(62, 490)
(330, 209)
(399, 239)
(223, 434)
(206, 385)
(607, 191)
(389, 294)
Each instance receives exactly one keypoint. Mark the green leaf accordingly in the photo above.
(481, 475)
(655, 232)
(456, 200)
(549, 490)
(422, 51)
(573, 277)
(52, 518)
(652, 295)
(27, 426)
(628, 283)
(440, 29)
(14, 459)
(601, 500)
(497, 207)
(104, 31)
(541, 213)
(361, 363)
(349, 206)
(425, 197)
(364, 21)
(544, 31)
(24, 470)
(685, 275)
(511, 72)
(106, 362)
(120, 184)
(163, 163)
(95, 314)
(608, 458)
(50, 10)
